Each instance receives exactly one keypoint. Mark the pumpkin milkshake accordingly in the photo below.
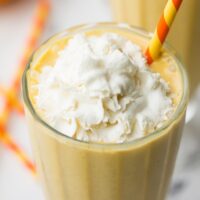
(104, 125)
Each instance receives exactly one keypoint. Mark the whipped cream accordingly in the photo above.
(101, 90)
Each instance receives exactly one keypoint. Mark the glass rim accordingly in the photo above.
(126, 27)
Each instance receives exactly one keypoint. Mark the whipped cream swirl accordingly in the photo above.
(101, 90)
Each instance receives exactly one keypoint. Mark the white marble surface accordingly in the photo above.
(15, 181)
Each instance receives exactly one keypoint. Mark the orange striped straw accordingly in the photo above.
(11, 93)
(9, 143)
(14, 102)
(38, 25)
(39, 22)
(162, 30)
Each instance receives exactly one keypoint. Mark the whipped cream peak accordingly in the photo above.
(101, 90)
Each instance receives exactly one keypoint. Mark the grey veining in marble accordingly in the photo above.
(186, 180)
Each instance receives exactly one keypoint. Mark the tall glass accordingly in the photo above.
(75, 170)
(184, 34)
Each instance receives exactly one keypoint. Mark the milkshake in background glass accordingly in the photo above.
(184, 36)
(104, 125)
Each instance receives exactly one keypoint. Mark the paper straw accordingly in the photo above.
(162, 30)
(9, 143)
(39, 22)
(38, 25)
(14, 103)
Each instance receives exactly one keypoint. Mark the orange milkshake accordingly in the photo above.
(104, 124)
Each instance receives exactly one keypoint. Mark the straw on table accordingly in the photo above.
(11, 93)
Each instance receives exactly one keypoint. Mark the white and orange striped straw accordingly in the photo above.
(162, 30)
(11, 101)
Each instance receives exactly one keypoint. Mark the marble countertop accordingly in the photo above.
(15, 181)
